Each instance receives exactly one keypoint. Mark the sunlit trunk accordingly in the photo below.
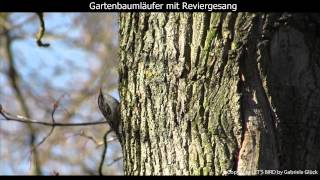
(216, 93)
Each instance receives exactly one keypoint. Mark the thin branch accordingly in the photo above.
(115, 160)
(26, 120)
(83, 134)
(55, 106)
(104, 152)
(41, 31)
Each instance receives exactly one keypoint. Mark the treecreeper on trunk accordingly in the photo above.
(110, 108)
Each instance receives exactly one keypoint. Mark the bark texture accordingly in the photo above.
(206, 93)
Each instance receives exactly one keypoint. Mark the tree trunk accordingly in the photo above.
(216, 93)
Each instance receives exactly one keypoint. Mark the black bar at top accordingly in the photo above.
(83, 5)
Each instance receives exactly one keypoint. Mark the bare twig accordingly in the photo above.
(41, 31)
(26, 120)
(115, 160)
(85, 135)
(104, 152)
(55, 106)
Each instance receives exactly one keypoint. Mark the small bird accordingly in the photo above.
(110, 108)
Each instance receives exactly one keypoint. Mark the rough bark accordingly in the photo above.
(206, 93)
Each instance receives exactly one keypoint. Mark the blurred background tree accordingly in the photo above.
(81, 58)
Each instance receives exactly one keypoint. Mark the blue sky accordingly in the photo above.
(38, 66)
